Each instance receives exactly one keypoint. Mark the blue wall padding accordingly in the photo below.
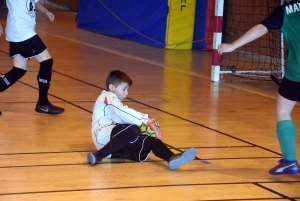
(200, 25)
(148, 17)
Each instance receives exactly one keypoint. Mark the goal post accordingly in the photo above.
(217, 40)
(261, 59)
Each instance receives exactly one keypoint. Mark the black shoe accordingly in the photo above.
(49, 109)
(285, 167)
(93, 158)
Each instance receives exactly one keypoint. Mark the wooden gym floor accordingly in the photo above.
(232, 125)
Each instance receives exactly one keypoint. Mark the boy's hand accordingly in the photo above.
(153, 124)
(1, 30)
(225, 48)
(50, 16)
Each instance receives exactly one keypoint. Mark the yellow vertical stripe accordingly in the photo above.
(180, 24)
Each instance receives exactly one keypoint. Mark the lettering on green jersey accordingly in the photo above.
(292, 8)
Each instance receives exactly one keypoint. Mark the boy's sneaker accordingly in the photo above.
(285, 167)
(93, 158)
(49, 109)
(180, 159)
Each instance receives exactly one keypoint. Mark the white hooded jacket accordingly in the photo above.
(107, 113)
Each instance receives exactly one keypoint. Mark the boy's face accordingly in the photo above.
(121, 91)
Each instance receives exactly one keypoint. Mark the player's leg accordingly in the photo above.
(121, 135)
(18, 70)
(160, 150)
(286, 132)
(12, 76)
(44, 78)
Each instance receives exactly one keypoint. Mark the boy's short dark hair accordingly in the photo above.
(117, 77)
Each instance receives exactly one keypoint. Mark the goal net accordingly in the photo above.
(262, 59)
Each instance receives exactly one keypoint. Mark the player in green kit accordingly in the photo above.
(286, 18)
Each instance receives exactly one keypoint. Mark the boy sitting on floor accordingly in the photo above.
(116, 129)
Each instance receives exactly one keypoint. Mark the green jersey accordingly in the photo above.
(287, 19)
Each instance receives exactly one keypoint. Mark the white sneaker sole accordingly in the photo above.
(91, 158)
(185, 158)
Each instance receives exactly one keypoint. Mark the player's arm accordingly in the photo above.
(154, 125)
(273, 21)
(1, 30)
(132, 116)
(42, 9)
(251, 35)
(119, 111)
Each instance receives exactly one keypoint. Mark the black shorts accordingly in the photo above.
(289, 89)
(27, 48)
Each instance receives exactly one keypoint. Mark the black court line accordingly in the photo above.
(76, 101)
(268, 182)
(27, 102)
(125, 187)
(4, 52)
(79, 151)
(67, 164)
(275, 192)
(51, 152)
(108, 161)
(245, 199)
(85, 101)
(207, 159)
(104, 162)
(10, 67)
(210, 159)
(113, 160)
(220, 147)
(187, 120)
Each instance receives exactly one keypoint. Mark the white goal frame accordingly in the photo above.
(216, 73)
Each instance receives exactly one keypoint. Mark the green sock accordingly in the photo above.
(286, 134)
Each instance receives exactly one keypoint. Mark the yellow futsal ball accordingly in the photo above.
(146, 130)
